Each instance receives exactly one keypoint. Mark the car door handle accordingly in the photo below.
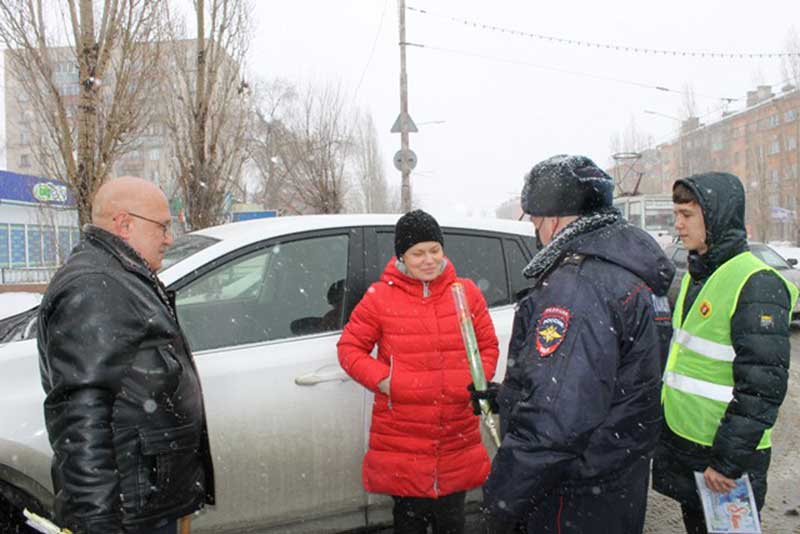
(321, 375)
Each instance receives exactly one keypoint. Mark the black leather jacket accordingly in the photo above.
(124, 407)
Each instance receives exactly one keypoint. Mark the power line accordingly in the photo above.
(610, 46)
(721, 110)
(564, 71)
(371, 52)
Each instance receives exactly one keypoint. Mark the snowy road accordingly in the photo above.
(781, 513)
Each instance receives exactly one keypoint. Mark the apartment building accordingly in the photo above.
(150, 155)
(759, 144)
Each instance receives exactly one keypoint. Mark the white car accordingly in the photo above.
(262, 304)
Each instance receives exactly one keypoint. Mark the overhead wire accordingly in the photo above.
(721, 110)
(372, 51)
(608, 46)
(562, 70)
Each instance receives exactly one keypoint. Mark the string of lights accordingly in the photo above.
(564, 71)
(609, 46)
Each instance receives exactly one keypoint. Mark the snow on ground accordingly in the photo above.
(14, 303)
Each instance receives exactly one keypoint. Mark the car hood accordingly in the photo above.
(18, 327)
(793, 275)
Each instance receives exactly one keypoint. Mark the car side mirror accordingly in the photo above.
(791, 261)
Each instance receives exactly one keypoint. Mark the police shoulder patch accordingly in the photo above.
(551, 330)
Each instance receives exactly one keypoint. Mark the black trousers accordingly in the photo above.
(613, 508)
(693, 520)
(168, 527)
(412, 515)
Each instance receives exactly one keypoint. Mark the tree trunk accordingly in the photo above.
(87, 111)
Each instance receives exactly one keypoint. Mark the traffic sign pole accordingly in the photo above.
(405, 170)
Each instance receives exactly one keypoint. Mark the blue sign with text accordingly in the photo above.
(34, 190)
(250, 215)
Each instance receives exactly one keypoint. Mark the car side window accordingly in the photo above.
(479, 258)
(517, 261)
(240, 279)
(281, 291)
(680, 258)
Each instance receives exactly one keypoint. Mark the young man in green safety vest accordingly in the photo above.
(727, 371)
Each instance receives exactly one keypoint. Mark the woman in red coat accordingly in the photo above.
(425, 445)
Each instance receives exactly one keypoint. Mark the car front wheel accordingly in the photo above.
(11, 519)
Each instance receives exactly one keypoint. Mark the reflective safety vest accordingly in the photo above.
(698, 380)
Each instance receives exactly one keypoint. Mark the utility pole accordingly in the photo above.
(405, 169)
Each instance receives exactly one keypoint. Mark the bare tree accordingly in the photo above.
(313, 153)
(114, 47)
(759, 188)
(317, 150)
(206, 103)
(369, 171)
(689, 102)
(790, 65)
(629, 171)
(274, 101)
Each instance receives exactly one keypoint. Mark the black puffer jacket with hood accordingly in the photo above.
(761, 365)
(580, 400)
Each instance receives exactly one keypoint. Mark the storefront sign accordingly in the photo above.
(32, 189)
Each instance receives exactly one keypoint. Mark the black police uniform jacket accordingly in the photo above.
(124, 407)
(580, 403)
(761, 365)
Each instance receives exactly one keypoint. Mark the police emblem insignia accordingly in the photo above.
(705, 309)
(766, 321)
(551, 330)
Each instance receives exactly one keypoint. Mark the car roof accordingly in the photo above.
(236, 235)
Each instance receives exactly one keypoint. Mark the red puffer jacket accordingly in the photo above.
(424, 439)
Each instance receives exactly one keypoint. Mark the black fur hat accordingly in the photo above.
(415, 227)
(566, 185)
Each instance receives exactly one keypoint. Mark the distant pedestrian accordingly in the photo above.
(425, 446)
(580, 399)
(728, 365)
(124, 407)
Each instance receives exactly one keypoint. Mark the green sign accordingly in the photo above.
(49, 192)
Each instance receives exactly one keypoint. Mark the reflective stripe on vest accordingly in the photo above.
(693, 386)
(698, 381)
(706, 347)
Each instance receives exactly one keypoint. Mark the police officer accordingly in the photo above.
(580, 399)
(728, 365)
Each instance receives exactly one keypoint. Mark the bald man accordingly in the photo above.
(124, 408)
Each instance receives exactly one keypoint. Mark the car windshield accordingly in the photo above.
(185, 246)
(770, 257)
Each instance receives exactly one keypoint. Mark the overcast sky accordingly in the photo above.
(510, 101)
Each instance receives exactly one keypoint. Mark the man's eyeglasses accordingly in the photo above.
(167, 228)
